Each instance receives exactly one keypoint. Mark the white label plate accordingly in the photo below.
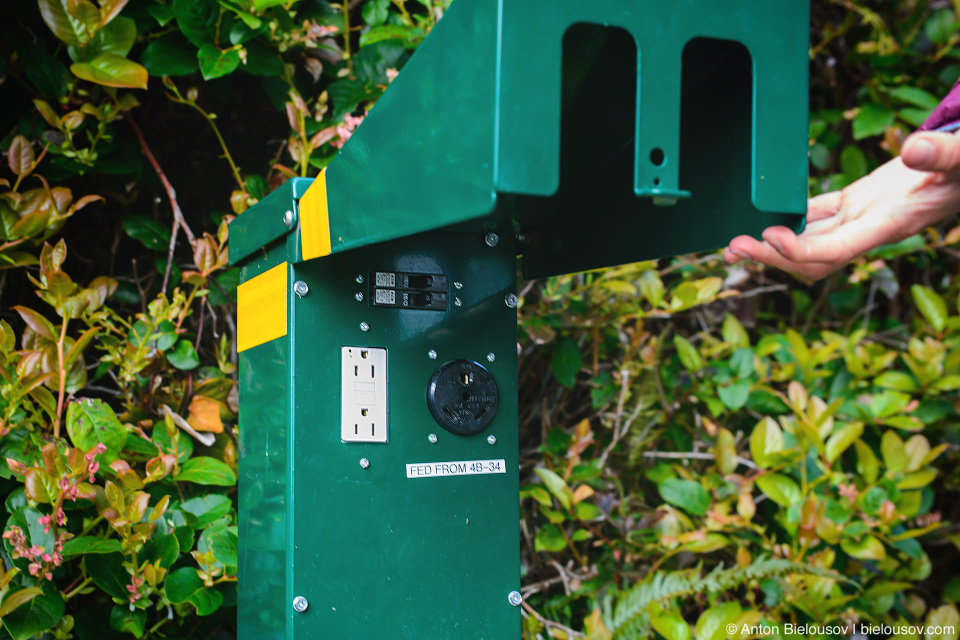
(456, 468)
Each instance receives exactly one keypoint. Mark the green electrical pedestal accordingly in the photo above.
(377, 322)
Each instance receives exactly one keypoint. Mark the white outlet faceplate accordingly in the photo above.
(363, 394)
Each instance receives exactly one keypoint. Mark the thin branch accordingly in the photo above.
(696, 456)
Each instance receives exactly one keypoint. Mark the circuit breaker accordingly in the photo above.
(379, 455)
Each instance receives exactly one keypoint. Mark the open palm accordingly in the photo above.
(899, 199)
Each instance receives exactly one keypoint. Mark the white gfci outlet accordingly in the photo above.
(363, 394)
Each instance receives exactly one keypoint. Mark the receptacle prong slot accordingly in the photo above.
(363, 412)
(450, 414)
(363, 354)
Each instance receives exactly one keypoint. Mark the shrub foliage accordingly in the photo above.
(703, 445)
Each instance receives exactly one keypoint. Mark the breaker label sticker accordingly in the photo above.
(457, 468)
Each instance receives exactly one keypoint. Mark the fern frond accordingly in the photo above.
(629, 617)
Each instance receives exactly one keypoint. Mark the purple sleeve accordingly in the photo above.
(946, 117)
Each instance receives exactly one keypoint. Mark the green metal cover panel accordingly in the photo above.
(262, 224)
(477, 113)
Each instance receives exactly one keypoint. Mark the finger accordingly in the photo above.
(932, 151)
(840, 246)
(823, 206)
(763, 252)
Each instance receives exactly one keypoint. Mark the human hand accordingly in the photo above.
(898, 200)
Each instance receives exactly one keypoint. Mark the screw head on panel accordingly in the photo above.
(491, 357)
(491, 239)
(432, 438)
(514, 598)
(300, 604)
(457, 302)
(358, 296)
(364, 463)
(458, 285)
(359, 279)
(288, 218)
(491, 439)
(300, 288)
(364, 326)
(511, 299)
(432, 354)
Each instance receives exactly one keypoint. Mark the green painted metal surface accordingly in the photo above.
(261, 225)
(501, 100)
(607, 133)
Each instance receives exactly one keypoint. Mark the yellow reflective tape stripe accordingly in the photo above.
(314, 220)
(262, 308)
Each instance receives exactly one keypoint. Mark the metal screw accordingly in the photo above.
(458, 285)
(300, 604)
(491, 357)
(491, 239)
(300, 288)
(432, 354)
(288, 218)
(512, 300)
(491, 439)
(359, 279)
(364, 326)
(364, 463)
(358, 296)
(432, 438)
(457, 302)
(514, 598)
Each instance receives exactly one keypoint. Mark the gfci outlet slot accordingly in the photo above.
(363, 394)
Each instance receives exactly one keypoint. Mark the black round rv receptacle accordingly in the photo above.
(463, 397)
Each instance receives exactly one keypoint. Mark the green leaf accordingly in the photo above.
(688, 354)
(916, 117)
(853, 162)
(215, 63)
(667, 623)
(15, 599)
(109, 574)
(734, 333)
(916, 97)
(566, 362)
(91, 422)
(183, 356)
(894, 452)
(685, 494)
(196, 19)
(734, 396)
(651, 287)
(931, 305)
(375, 12)
(223, 546)
(867, 464)
(149, 232)
(940, 26)
(122, 619)
(183, 585)
(89, 544)
(209, 471)
(116, 37)
(842, 439)
(867, 548)
(917, 479)
(165, 548)
(712, 624)
(169, 55)
(945, 619)
(64, 26)
(38, 614)
(898, 380)
(410, 36)
(207, 508)
(872, 120)
(549, 538)
(780, 489)
(262, 61)
(725, 452)
(766, 440)
(556, 485)
(111, 70)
